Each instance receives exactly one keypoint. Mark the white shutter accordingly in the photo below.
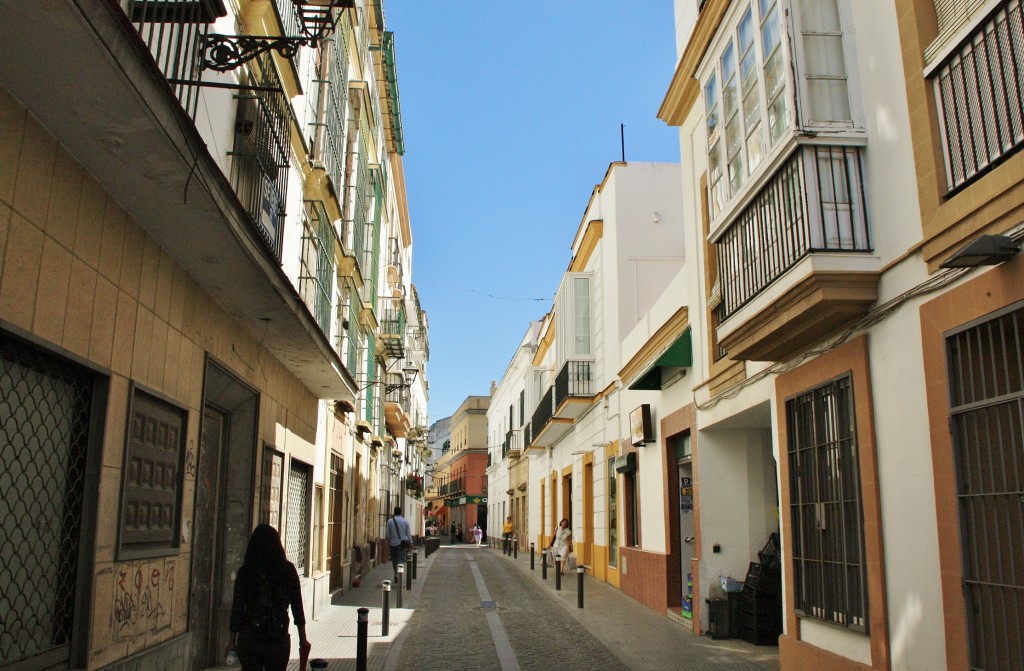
(953, 17)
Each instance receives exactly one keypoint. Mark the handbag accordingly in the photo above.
(571, 562)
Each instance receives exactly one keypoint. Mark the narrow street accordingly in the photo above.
(476, 608)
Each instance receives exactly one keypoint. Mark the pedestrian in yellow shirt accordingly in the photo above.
(506, 534)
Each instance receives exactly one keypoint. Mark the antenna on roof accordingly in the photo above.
(622, 140)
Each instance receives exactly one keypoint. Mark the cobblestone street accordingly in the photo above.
(476, 608)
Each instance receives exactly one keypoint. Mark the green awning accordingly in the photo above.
(678, 355)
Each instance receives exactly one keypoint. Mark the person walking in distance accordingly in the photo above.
(561, 542)
(506, 534)
(452, 529)
(399, 538)
(265, 586)
(478, 535)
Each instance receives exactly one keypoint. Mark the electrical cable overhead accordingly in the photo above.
(484, 293)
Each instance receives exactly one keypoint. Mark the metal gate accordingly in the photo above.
(46, 407)
(986, 380)
(297, 532)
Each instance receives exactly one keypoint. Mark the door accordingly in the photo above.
(204, 531)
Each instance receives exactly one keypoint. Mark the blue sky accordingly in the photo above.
(511, 114)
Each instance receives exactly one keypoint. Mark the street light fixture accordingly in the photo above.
(317, 19)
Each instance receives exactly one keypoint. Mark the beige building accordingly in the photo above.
(206, 319)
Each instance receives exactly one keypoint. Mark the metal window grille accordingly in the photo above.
(270, 494)
(299, 494)
(259, 171)
(980, 93)
(814, 203)
(316, 264)
(45, 410)
(829, 577)
(986, 386)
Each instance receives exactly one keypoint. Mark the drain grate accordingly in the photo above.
(489, 604)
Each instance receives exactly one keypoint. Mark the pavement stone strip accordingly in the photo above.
(479, 609)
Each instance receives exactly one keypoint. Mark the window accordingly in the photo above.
(270, 495)
(152, 486)
(827, 99)
(613, 515)
(980, 94)
(297, 531)
(573, 317)
(315, 264)
(745, 93)
(829, 578)
(986, 392)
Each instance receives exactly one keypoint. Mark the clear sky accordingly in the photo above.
(511, 112)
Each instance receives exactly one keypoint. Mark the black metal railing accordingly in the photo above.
(980, 88)
(575, 379)
(392, 322)
(399, 394)
(544, 411)
(259, 171)
(174, 33)
(814, 203)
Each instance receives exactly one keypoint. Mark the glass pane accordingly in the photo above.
(819, 16)
(774, 77)
(771, 32)
(711, 105)
(828, 100)
(778, 120)
(581, 296)
(729, 84)
(754, 143)
(824, 55)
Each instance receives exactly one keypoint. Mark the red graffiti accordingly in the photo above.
(120, 581)
(154, 578)
(169, 578)
(138, 578)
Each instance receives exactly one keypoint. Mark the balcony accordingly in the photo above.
(397, 406)
(547, 428)
(512, 447)
(796, 264)
(392, 330)
(574, 389)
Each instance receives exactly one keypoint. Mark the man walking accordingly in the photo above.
(399, 538)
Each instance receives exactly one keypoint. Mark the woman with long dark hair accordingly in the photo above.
(265, 586)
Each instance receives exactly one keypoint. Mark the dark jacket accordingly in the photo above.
(287, 592)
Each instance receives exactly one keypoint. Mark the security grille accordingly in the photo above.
(986, 380)
(298, 515)
(45, 409)
(829, 581)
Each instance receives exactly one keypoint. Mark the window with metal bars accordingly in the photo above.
(980, 95)
(47, 438)
(829, 577)
(316, 265)
(297, 532)
(986, 392)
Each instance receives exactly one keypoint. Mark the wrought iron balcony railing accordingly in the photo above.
(544, 411)
(980, 89)
(575, 379)
(813, 204)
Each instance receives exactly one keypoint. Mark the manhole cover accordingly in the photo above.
(488, 604)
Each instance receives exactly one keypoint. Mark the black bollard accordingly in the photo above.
(532, 556)
(558, 573)
(362, 631)
(544, 564)
(401, 574)
(408, 578)
(515, 548)
(414, 563)
(579, 586)
(385, 608)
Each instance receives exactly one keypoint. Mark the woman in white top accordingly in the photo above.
(561, 542)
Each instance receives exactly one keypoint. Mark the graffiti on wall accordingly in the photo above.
(143, 597)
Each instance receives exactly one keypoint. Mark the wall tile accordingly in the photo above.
(150, 271)
(141, 358)
(12, 125)
(35, 173)
(19, 281)
(164, 285)
(55, 277)
(65, 199)
(81, 296)
(124, 335)
(104, 315)
(131, 261)
(112, 241)
(91, 211)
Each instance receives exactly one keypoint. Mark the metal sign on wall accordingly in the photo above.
(464, 500)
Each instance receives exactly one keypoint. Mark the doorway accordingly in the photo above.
(222, 520)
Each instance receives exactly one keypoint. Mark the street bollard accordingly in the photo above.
(414, 563)
(579, 586)
(544, 564)
(532, 556)
(362, 630)
(408, 578)
(515, 548)
(558, 573)
(385, 608)
(401, 574)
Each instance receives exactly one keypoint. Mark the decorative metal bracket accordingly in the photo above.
(226, 52)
